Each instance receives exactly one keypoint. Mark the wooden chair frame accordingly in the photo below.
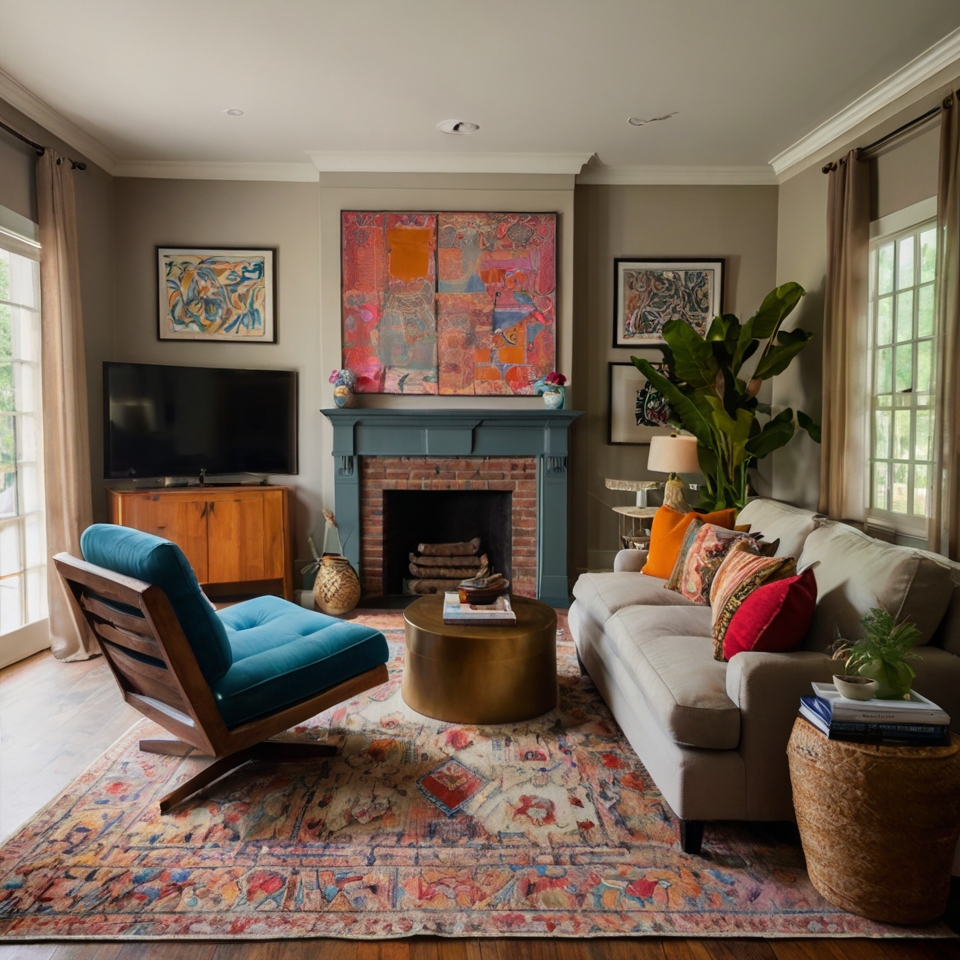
(176, 695)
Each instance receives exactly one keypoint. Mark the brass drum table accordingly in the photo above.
(480, 674)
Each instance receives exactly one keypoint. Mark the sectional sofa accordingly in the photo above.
(713, 735)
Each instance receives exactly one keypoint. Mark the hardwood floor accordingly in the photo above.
(57, 718)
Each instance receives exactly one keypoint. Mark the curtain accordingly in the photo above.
(844, 426)
(943, 527)
(66, 447)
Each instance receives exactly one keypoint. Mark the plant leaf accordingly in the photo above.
(773, 435)
(790, 343)
(807, 424)
(684, 408)
(777, 305)
(693, 359)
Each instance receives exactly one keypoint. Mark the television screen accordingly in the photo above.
(165, 421)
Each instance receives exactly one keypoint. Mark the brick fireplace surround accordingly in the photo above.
(523, 452)
(516, 475)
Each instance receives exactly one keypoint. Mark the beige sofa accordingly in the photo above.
(713, 735)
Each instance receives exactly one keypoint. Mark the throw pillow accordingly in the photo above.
(739, 575)
(774, 618)
(704, 548)
(667, 533)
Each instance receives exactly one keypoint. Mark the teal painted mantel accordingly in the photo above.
(544, 434)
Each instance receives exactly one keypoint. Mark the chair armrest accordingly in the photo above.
(630, 561)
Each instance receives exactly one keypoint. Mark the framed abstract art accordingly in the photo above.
(648, 293)
(457, 304)
(217, 294)
(635, 407)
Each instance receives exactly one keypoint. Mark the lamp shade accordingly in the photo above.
(673, 455)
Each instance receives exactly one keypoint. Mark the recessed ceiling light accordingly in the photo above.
(639, 122)
(460, 127)
(234, 112)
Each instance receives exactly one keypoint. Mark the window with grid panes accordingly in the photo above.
(23, 595)
(902, 344)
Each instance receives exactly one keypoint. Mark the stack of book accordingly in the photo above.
(499, 612)
(917, 721)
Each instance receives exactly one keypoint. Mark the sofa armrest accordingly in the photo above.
(758, 682)
(630, 561)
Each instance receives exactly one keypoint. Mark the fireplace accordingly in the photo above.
(515, 460)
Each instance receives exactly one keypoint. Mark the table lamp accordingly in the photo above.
(674, 455)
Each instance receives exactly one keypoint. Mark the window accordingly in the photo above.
(902, 324)
(23, 590)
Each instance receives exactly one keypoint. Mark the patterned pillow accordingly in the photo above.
(704, 548)
(739, 575)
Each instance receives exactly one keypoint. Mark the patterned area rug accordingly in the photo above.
(550, 827)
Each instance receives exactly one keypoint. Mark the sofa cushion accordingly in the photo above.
(704, 548)
(603, 594)
(667, 532)
(855, 572)
(684, 687)
(779, 520)
(283, 654)
(161, 562)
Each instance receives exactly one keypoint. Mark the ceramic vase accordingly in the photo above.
(554, 398)
(342, 396)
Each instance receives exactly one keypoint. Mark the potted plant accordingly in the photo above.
(701, 380)
(882, 654)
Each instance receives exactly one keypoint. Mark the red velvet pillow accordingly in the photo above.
(774, 618)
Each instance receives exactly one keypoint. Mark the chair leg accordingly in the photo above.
(169, 748)
(691, 836)
(268, 751)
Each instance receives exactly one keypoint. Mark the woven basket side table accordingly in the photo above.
(878, 824)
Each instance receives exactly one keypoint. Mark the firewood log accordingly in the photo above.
(432, 586)
(450, 549)
(472, 563)
(444, 573)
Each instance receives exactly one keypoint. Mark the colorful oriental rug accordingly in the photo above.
(546, 828)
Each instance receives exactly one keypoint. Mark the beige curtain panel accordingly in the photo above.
(66, 447)
(843, 448)
(943, 528)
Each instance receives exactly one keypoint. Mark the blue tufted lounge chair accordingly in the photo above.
(221, 682)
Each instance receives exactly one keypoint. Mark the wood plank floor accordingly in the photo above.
(57, 718)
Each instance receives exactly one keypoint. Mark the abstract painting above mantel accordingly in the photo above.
(448, 303)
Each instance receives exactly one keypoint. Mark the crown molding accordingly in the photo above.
(689, 175)
(19, 97)
(217, 170)
(568, 163)
(938, 57)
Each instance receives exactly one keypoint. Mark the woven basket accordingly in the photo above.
(878, 824)
(337, 587)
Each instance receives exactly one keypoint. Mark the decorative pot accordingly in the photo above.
(337, 587)
(554, 398)
(343, 396)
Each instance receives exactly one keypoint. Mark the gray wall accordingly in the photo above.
(738, 223)
(902, 175)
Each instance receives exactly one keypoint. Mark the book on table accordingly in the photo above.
(499, 612)
(858, 731)
(918, 709)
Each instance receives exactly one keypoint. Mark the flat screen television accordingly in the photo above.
(166, 421)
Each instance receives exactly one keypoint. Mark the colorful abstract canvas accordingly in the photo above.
(650, 293)
(449, 303)
(389, 301)
(216, 294)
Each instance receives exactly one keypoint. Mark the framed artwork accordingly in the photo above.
(648, 293)
(217, 294)
(631, 396)
(457, 304)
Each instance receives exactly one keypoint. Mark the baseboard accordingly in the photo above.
(24, 642)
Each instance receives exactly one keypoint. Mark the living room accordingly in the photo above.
(733, 174)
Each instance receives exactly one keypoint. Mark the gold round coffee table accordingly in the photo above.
(485, 674)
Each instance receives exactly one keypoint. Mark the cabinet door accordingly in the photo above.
(235, 539)
(182, 521)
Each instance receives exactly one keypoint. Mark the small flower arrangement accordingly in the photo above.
(555, 379)
(343, 378)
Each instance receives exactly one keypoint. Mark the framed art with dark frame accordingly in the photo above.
(626, 384)
(217, 294)
(648, 293)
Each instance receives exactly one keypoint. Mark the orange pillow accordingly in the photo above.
(667, 533)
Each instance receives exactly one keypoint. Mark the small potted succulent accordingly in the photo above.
(551, 388)
(882, 654)
(343, 382)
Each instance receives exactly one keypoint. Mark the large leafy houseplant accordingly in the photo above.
(882, 654)
(702, 378)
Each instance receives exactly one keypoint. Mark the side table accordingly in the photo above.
(638, 535)
(878, 824)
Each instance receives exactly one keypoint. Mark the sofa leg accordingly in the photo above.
(691, 836)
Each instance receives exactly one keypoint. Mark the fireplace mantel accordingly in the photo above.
(542, 433)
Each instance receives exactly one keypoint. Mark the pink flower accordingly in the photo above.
(333, 376)
(557, 379)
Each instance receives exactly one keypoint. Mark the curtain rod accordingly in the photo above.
(39, 147)
(899, 132)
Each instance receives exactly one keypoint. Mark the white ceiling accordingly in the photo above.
(342, 78)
